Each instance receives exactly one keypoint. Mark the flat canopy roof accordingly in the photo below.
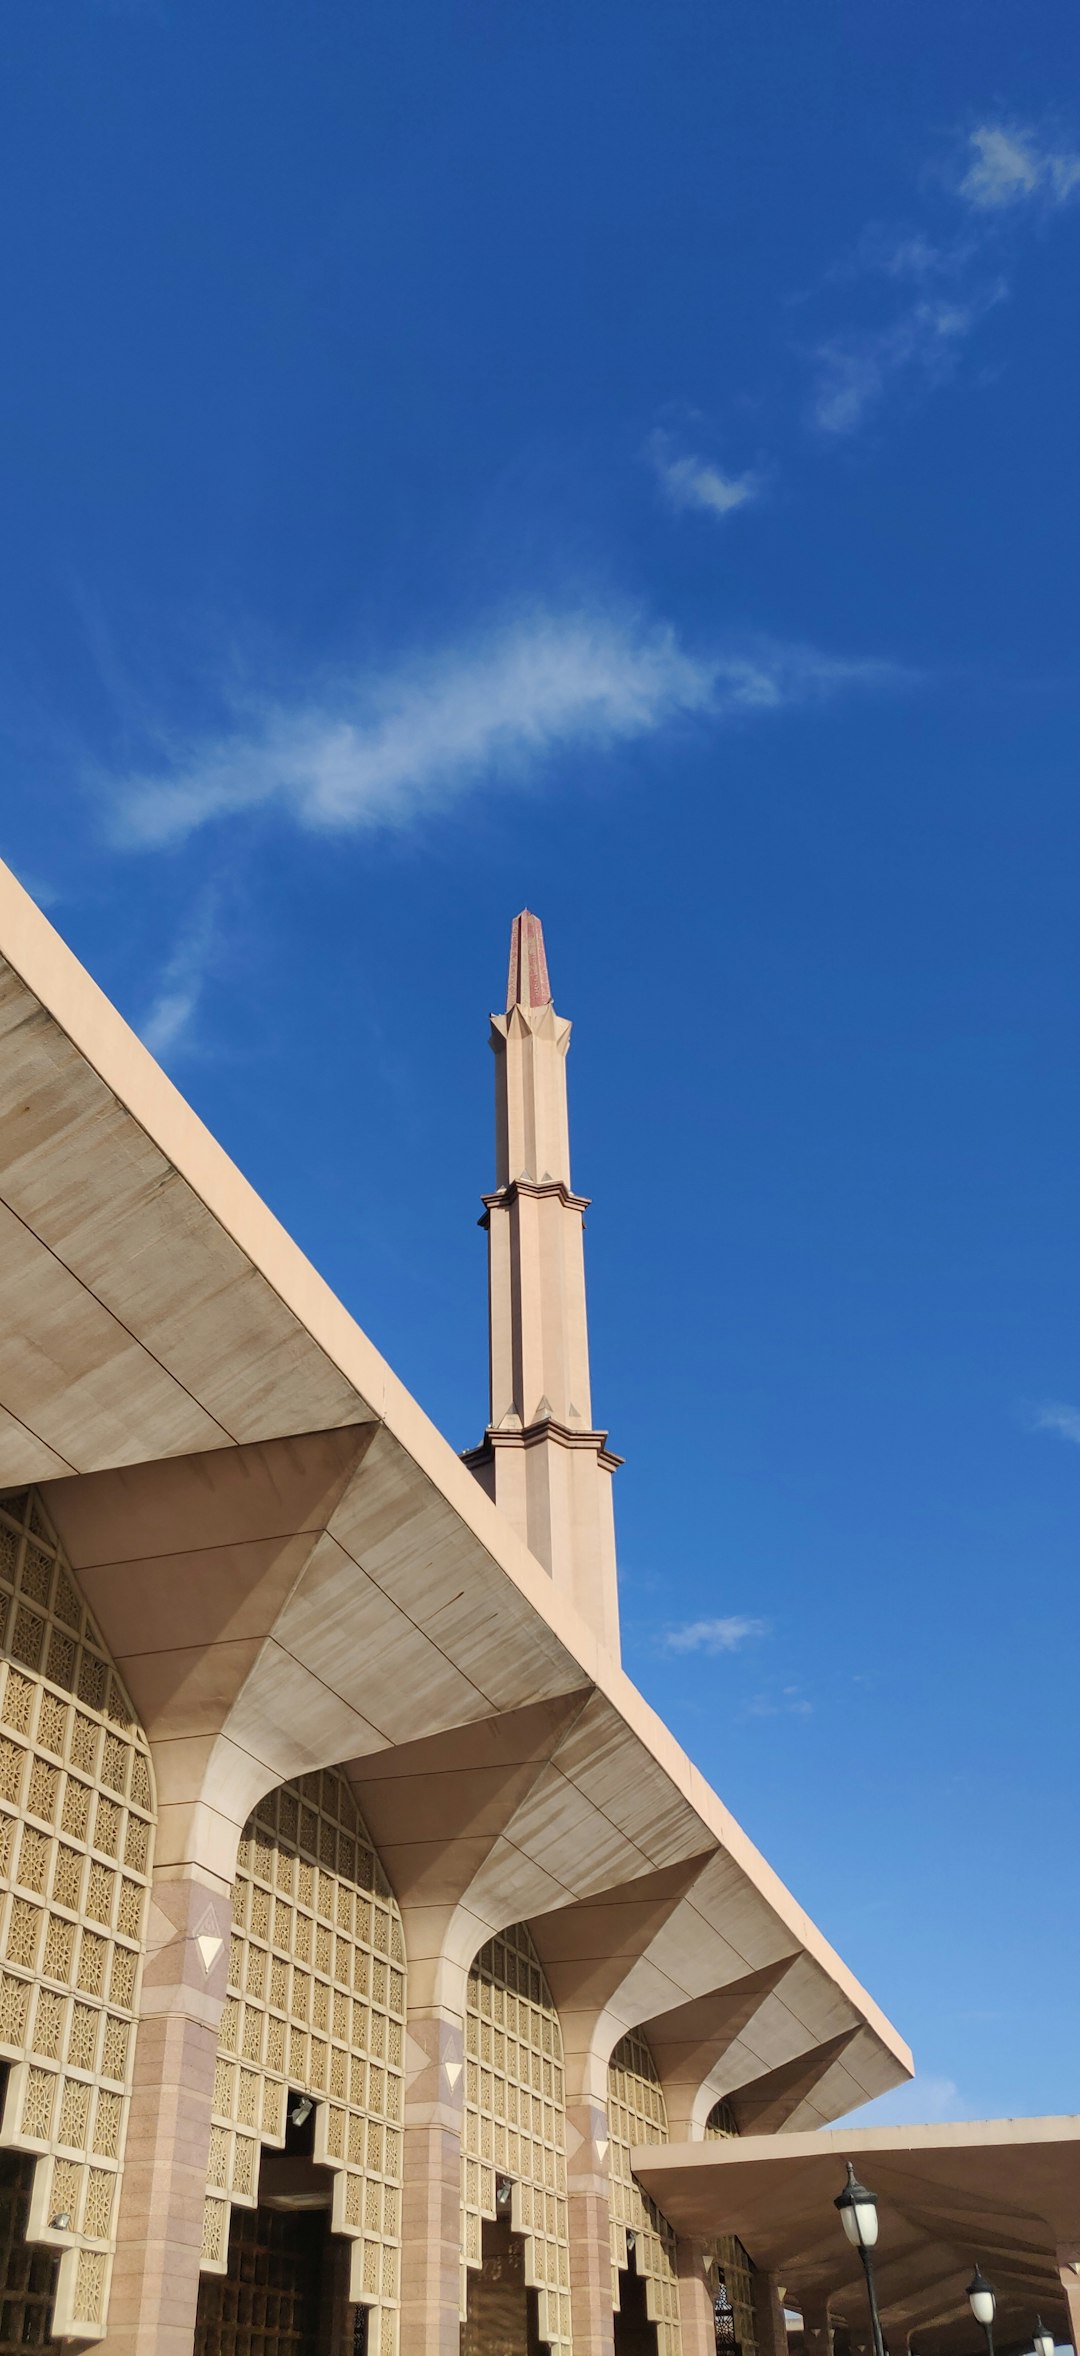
(1005, 2192)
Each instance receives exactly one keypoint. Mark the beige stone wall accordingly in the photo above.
(76, 1838)
(316, 2005)
(515, 2121)
(637, 2113)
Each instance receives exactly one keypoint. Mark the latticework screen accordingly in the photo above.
(721, 2123)
(729, 2259)
(76, 1832)
(316, 2004)
(515, 2120)
(637, 2113)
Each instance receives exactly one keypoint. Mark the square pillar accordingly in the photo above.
(1069, 2274)
(697, 2326)
(431, 2219)
(817, 2326)
(589, 2213)
(769, 2315)
(155, 2281)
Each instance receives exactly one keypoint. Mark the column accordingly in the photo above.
(697, 2327)
(431, 2194)
(1069, 2272)
(769, 2315)
(155, 2282)
(588, 2204)
(817, 2326)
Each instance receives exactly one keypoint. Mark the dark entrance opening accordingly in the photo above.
(635, 2335)
(27, 2274)
(269, 2301)
(286, 2289)
(502, 2317)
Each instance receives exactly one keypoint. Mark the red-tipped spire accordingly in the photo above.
(527, 982)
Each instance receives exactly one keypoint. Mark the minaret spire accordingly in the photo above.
(541, 1460)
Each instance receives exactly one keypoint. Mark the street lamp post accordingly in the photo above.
(859, 2218)
(983, 2305)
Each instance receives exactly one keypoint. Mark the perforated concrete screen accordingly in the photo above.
(515, 2122)
(76, 1830)
(730, 2263)
(637, 2113)
(316, 2005)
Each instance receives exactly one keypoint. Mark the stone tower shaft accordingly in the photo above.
(541, 1461)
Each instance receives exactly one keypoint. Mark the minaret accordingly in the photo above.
(541, 1461)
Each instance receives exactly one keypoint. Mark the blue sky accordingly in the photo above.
(622, 460)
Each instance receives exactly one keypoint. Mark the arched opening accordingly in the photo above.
(308, 2085)
(515, 2228)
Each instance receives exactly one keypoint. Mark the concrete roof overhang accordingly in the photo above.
(294, 1570)
(1003, 2191)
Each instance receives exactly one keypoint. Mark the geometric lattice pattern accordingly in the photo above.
(515, 2120)
(637, 2113)
(721, 2123)
(76, 1833)
(316, 2006)
(730, 2263)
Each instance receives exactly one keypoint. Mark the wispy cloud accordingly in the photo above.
(713, 1636)
(689, 482)
(854, 370)
(1010, 165)
(789, 1702)
(920, 2101)
(168, 1021)
(995, 171)
(1053, 1416)
(388, 748)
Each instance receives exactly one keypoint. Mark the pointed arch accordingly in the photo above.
(77, 1816)
(316, 2005)
(637, 2113)
(515, 2121)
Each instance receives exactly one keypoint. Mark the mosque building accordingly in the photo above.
(376, 1972)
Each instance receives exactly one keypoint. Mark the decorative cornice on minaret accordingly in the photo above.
(541, 1460)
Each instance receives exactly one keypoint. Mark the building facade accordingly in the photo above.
(359, 1919)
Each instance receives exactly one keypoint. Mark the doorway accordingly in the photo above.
(502, 2318)
(635, 2335)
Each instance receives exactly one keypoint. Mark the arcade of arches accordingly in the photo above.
(302, 2231)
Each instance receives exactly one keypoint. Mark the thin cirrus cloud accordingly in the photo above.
(167, 1023)
(922, 2101)
(1000, 171)
(1054, 1416)
(854, 371)
(713, 1636)
(691, 483)
(1010, 166)
(390, 748)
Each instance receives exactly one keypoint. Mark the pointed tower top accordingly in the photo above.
(527, 982)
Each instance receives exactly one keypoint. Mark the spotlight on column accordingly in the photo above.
(301, 2111)
(504, 2194)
